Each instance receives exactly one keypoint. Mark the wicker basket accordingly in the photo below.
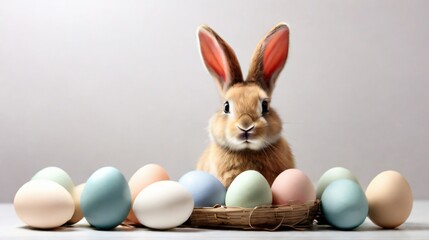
(298, 217)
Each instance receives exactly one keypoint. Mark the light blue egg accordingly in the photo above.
(344, 204)
(106, 199)
(205, 188)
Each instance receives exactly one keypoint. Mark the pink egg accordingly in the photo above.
(144, 177)
(292, 186)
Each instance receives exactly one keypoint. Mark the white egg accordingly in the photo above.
(163, 205)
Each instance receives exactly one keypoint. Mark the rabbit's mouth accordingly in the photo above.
(248, 140)
(241, 142)
(245, 137)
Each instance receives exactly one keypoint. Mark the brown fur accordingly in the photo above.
(270, 161)
(266, 151)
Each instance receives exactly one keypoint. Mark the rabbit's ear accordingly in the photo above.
(219, 58)
(270, 57)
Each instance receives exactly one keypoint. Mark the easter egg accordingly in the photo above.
(390, 199)
(344, 204)
(249, 189)
(43, 204)
(332, 175)
(57, 175)
(142, 178)
(292, 186)
(105, 200)
(163, 205)
(78, 215)
(205, 188)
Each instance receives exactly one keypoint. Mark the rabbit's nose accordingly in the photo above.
(248, 129)
(245, 123)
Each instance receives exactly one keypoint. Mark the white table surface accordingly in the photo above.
(416, 227)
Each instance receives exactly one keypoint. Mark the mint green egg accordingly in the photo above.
(106, 198)
(331, 175)
(248, 190)
(57, 175)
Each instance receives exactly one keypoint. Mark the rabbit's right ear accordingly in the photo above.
(270, 57)
(219, 59)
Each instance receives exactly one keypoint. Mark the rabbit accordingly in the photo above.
(246, 132)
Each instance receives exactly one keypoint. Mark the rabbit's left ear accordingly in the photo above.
(219, 59)
(270, 57)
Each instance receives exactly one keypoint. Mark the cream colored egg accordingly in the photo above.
(43, 204)
(78, 215)
(390, 199)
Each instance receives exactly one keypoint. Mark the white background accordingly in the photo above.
(86, 84)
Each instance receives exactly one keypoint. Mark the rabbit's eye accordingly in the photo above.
(264, 106)
(226, 107)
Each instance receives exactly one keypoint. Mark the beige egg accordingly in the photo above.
(390, 199)
(43, 204)
(144, 177)
(78, 215)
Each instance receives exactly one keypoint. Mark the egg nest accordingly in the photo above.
(270, 217)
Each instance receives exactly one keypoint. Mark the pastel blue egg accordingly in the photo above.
(205, 188)
(106, 199)
(344, 204)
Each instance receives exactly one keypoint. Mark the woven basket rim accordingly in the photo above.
(288, 205)
(299, 216)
